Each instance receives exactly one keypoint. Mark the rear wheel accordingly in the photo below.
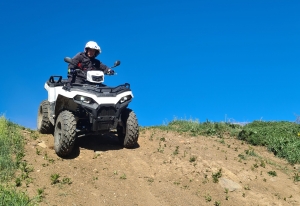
(44, 126)
(64, 133)
(128, 133)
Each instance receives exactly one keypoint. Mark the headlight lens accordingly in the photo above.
(84, 99)
(124, 99)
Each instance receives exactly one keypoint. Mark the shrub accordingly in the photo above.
(281, 138)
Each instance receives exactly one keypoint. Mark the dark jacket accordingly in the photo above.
(84, 63)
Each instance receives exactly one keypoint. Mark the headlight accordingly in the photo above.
(84, 99)
(124, 99)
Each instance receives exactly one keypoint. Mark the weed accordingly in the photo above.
(160, 148)
(193, 159)
(250, 152)
(247, 187)
(40, 194)
(262, 164)
(66, 181)
(123, 177)
(18, 182)
(54, 179)
(222, 141)
(151, 136)
(217, 203)
(176, 152)
(176, 183)
(45, 156)
(150, 180)
(207, 198)
(217, 175)
(296, 177)
(272, 173)
(37, 151)
(96, 156)
(28, 181)
(185, 187)
(34, 135)
(242, 157)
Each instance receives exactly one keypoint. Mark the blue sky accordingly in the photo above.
(194, 59)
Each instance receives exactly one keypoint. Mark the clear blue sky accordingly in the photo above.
(191, 59)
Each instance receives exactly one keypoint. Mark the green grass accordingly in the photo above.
(11, 148)
(11, 197)
(11, 154)
(206, 128)
(281, 138)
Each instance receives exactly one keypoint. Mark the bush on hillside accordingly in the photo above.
(281, 138)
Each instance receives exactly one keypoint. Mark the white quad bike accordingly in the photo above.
(86, 109)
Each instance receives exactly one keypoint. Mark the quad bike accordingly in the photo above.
(86, 109)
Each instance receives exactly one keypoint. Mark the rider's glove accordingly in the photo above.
(110, 72)
(72, 71)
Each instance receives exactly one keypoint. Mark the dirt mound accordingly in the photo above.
(165, 169)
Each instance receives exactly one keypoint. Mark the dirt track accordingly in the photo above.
(165, 169)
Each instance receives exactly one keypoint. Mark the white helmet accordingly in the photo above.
(93, 45)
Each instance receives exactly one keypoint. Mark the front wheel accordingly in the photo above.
(128, 133)
(64, 133)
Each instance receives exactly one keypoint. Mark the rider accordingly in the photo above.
(86, 61)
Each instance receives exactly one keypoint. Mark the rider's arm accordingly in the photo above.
(77, 59)
(104, 68)
(101, 67)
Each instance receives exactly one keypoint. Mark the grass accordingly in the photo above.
(11, 154)
(11, 149)
(207, 128)
(9, 196)
(281, 138)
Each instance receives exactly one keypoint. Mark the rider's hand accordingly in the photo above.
(72, 71)
(111, 72)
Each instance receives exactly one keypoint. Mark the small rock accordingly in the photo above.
(98, 152)
(42, 144)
